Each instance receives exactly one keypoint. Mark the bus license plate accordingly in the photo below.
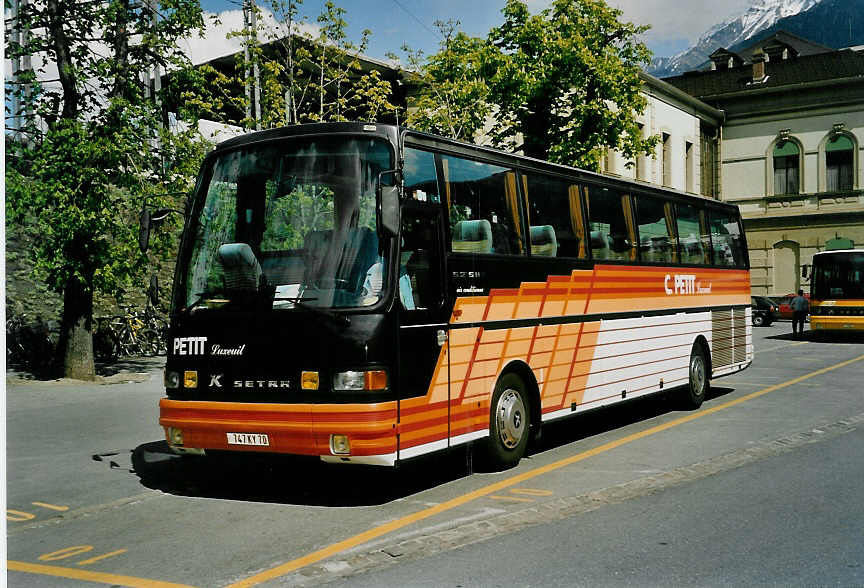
(257, 439)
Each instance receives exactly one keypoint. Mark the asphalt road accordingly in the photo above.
(757, 487)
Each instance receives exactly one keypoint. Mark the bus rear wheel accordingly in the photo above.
(509, 423)
(699, 375)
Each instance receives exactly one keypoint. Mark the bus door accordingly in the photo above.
(423, 331)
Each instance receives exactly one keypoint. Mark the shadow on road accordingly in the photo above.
(310, 482)
(288, 479)
(822, 337)
(129, 364)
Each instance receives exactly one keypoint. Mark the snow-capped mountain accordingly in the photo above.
(762, 15)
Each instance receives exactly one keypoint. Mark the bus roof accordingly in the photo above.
(838, 251)
(393, 131)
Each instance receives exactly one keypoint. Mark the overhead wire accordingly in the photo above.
(420, 22)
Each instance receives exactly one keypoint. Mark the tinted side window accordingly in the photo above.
(657, 242)
(421, 179)
(693, 238)
(727, 241)
(484, 207)
(610, 220)
(555, 215)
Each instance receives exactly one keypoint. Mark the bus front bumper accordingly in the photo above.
(836, 323)
(342, 433)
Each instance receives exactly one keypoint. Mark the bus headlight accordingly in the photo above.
(175, 436)
(339, 445)
(360, 380)
(172, 380)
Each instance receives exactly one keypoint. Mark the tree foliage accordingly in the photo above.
(562, 84)
(94, 149)
(304, 76)
(452, 95)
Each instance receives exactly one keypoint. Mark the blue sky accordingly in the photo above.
(676, 24)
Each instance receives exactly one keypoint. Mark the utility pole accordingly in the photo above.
(289, 93)
(253, 86)
(21, 66)
(157, 69)
(246, 73)
(255, 68)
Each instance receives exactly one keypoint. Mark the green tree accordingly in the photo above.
(561, 85)
(303, 77)
(452, 95)
(95, 149)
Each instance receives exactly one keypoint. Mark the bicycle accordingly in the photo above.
(105, 344)
(28, 343)
(134, 333)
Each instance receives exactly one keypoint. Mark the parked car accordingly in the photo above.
(784, 305)
(764, 311)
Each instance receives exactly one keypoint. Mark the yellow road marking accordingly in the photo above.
(17, 515)
(511, 498)
(51, 506)
(532, 492)
(87, 562)
(397, 524)
(66, 552)
(87, 576)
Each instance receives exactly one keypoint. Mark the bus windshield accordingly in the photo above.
(838, 276)
(290, 223)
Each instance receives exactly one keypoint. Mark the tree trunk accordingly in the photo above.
(535, 134)
(61, 46)
(76, 332)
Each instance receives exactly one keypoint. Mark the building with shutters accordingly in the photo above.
(790, 149)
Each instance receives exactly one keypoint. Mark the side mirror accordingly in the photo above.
(805, 271)
(144, 225)
(388, 205)
(148, 220)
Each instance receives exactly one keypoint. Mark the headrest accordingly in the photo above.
(472, 230)
(242, 270)
(543, 235)
(599, 240)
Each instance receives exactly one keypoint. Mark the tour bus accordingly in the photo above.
(368, 294)
(837, 291)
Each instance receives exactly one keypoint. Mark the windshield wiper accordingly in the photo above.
(295, 299)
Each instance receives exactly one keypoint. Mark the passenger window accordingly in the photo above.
(610, 221)
(657, 242)
(421, 179)
(726, 239)
(693, 238)
(484, 207)
(555, 217)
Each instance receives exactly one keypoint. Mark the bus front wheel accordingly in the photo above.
(509, 423)
(699, 375)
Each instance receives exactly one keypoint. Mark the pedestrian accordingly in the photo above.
(800, 306)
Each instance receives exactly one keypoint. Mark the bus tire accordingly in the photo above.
(509, 423)
(699, 376)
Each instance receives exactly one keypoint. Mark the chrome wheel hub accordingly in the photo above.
(697, 374)
(510, 416)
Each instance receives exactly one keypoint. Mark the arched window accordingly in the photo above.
(786, 156)
(839, 163)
